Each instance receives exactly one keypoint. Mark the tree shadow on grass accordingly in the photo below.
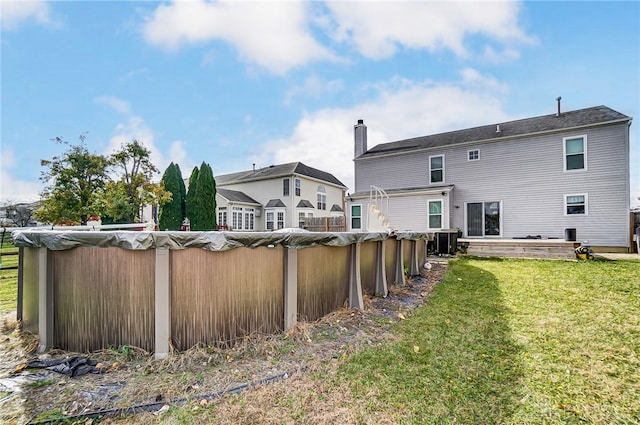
(456, 361)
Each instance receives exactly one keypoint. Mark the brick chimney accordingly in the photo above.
(360, 138)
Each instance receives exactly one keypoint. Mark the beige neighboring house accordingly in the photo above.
(276, 197)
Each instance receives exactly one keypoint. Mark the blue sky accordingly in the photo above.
(237, 83)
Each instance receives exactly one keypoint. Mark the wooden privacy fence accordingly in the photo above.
(85, 291)
(325, 224)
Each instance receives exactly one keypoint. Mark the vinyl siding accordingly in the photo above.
(527, 175)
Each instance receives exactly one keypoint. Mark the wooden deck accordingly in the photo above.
(519, 248)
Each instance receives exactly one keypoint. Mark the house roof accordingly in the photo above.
(275, 203)
(274, 171)
(337, 208)
(236, 196)
(304, 204)
(510, 129)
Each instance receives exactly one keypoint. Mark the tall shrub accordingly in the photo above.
(190, 204)
(171, 212)
(204, 217)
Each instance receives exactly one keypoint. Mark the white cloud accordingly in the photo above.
(14, 13)
(401, 109)
(13, 189)
(378, 29)
(119, 105)
(313, 86)
(273, 35)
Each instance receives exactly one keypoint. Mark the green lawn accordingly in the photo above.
(497, 342)
(8, 278)
(513, 342)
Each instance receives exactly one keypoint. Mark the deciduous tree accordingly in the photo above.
(124, 197)
(75, 182)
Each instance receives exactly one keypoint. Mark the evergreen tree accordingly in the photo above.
(170, 217)
(190, 205)
(183, 193)
(205, 218)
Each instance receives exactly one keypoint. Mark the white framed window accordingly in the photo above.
(269, 217)
(297, 183)
(435, 214)
(274, 219)
(280, 219)
(322, 198)
(356, 217)
(222, 216)
(285, 187)
(249, 218)
(575, 204)
(473, 155)
(236, 218)
(436, 169)
(575, 153)
(301, 218)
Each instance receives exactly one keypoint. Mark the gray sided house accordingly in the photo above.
(531, 177)
(276, 197)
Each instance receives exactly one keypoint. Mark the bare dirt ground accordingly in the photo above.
(133, 381)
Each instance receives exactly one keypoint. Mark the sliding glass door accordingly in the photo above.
(483, 218)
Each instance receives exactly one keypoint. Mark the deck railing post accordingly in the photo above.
(45, 301)
(399, 275)
(355, 282)
(290, 288)
(381, 273)
(162, 303)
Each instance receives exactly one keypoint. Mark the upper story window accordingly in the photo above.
(436, 169)
(285, 187)
(575, 153)
(297, 187)
(473, 155)
(575, 204)
(322, 198)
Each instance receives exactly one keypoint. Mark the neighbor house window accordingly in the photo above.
(236, 218)
(270, 219)
(473, 155)
(356, 217)
(322, 198)
(575, 153)
(575, 204)
(222, 216)
(285, 187)
(436, 169)
(301, 218)
(280, 221)
(435, 214)
(297, 187)
(249, 215)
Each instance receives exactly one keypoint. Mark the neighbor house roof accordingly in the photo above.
(304, 204)
(275, 203)
(336, 208)
(236, 196)
(275, 171)
(507, 130)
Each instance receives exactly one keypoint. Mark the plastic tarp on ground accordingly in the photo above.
(57, 240)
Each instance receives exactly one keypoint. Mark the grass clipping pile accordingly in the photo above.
(203, 374)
